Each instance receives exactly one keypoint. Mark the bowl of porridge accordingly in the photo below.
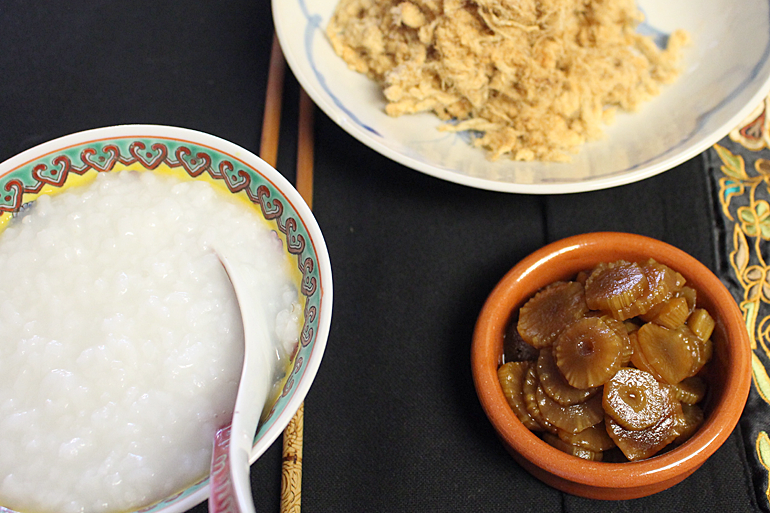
(122, 340)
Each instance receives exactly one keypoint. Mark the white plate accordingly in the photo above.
(726, 73)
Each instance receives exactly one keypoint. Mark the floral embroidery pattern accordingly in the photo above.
(744, 197)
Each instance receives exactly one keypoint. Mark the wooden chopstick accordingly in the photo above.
(291, 474)
(271, 122)
(305, 148)
(291, 471)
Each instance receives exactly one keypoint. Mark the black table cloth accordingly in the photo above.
(392, 422)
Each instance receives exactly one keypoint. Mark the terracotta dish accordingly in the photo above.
(729, 373)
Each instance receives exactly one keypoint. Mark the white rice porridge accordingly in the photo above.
(121, 342)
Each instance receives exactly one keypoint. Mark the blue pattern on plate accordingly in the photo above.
(313, 25)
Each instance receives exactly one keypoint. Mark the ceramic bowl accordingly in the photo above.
(726, 73)
(191, 155)
(729, 371)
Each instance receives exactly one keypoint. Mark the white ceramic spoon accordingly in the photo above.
(230, 470)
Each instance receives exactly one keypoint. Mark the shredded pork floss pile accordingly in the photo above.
(535, 79)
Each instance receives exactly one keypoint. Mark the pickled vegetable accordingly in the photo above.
(669, 314)
(588, 353)
(692, 418)
(661, 283)
(529, 392)
(574, 450)
(608, 367)
(615, 286)
(690, 390)
(635, 400)
(690, 295)
(550, 311)
(511, 376)
(556, 385)
(622, 330)
(643, 443)
(701, 323)
(572, 419)
(594, 438)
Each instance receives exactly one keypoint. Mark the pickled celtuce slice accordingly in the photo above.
(594, 438)
(550, 311)
(670, 353)
(638, 359)
(644, 443)
(511, 376)
(529, 391)
(701, 323)
(669, 314)
(588, 353)
(574, 450)
(572, 419)
(703, 350)
(690, 295)
(662, 283)
(515, 349)
(555, 384)
(692, 418)
(634, 399)
(622, 331)
(690, 390)
(614, 286)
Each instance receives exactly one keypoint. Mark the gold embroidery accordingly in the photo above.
(744, 196)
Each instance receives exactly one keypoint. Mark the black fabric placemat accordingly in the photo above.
(393, 419)
(392, 422)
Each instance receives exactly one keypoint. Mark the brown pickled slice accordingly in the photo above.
(670, 353)
(614, 286)
(671, 313)
(690, 295)
(574, 450)
(594, 438)
(550, 311)
(690, 390)
(701, 349)
(515, 349)
(574, 418)
(638, 359)
(634, 399)
(644, 443)
(511, 376)
(529, 391)
(622, 331)
(588, 353)
(662, 283)
(692, 418)
(704, 349)
(701, 323)
(555, 384)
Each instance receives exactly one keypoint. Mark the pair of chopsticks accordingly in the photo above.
(291, 472)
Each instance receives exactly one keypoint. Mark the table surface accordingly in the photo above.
(392, 422)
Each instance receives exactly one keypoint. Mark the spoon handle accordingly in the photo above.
(222, 497)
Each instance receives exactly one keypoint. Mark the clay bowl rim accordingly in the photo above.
(558, 260)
